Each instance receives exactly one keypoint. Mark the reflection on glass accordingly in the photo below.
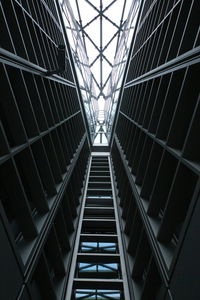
(98, 247)
(98, 294)
(98, 270)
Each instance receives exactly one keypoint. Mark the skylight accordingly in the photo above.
(100, 33)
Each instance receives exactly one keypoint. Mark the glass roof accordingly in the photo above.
(100, 33)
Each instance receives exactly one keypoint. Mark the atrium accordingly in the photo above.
(100, 152)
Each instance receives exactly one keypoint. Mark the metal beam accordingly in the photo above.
(92, 20)
(76, 246)
(98, 238)
(108, 284)
(80, 21)
(101, 46)
(121, 250)
(98, 258)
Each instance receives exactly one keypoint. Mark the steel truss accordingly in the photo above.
(102, 73)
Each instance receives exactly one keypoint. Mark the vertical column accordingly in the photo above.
(98, 268)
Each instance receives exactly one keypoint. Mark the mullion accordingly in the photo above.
(157, 16)
(144, 96)
(16, 36)
(67, 134)
(24, 4)
(162, 184)
(51, 12)
(28, 41)
(52, 102)
(65, 93)
(52, 158)
(36, 101)
(48, 28)
(16, 134)
(176, 37)
(53, 30)
(6, 42)
(28, 231)
(160, 96)
(70, 92)
(59, 150)
(44, 168)
(172, 23)
(166, 230)
(64, 143)
(150, 101)
(34, 36)
(146, 150)
(55, 89)
(151, 52)
(44, 99)
(3, 141)
(40, 25)
(69, 210)
(53, 253)
(46, 19)
(151, 171)
(190, 30)
(60, 91)
(33, 179)
(42, 46)
(45, 84)
(62, 232)
(21, 95)
(140, 98)
(44, 279)
(191, 148)
(150, 19)
(170, 103)
(157, 52)
(181, 116)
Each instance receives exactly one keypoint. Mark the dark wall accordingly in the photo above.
(160, 154)
(43, 154)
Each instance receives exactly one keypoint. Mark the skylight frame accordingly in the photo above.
(110, 72)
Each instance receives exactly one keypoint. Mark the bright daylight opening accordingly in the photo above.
(100, 32)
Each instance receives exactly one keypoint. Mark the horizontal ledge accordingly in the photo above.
(99, 176)
(98, 258)
(100, 165)
(99, 183)
(108, 284)
(99, 198)
(99, 275)
(99, 171)
(99, 189)
(99, 208)
(186, 59)
(98, 238)
(108, 221)
(21, 63)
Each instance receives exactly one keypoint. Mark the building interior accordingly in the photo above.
(99, 150)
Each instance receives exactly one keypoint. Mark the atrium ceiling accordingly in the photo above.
(100, 33)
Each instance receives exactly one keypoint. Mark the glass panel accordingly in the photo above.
(98, 247)
(98, 294)
(98, 270)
